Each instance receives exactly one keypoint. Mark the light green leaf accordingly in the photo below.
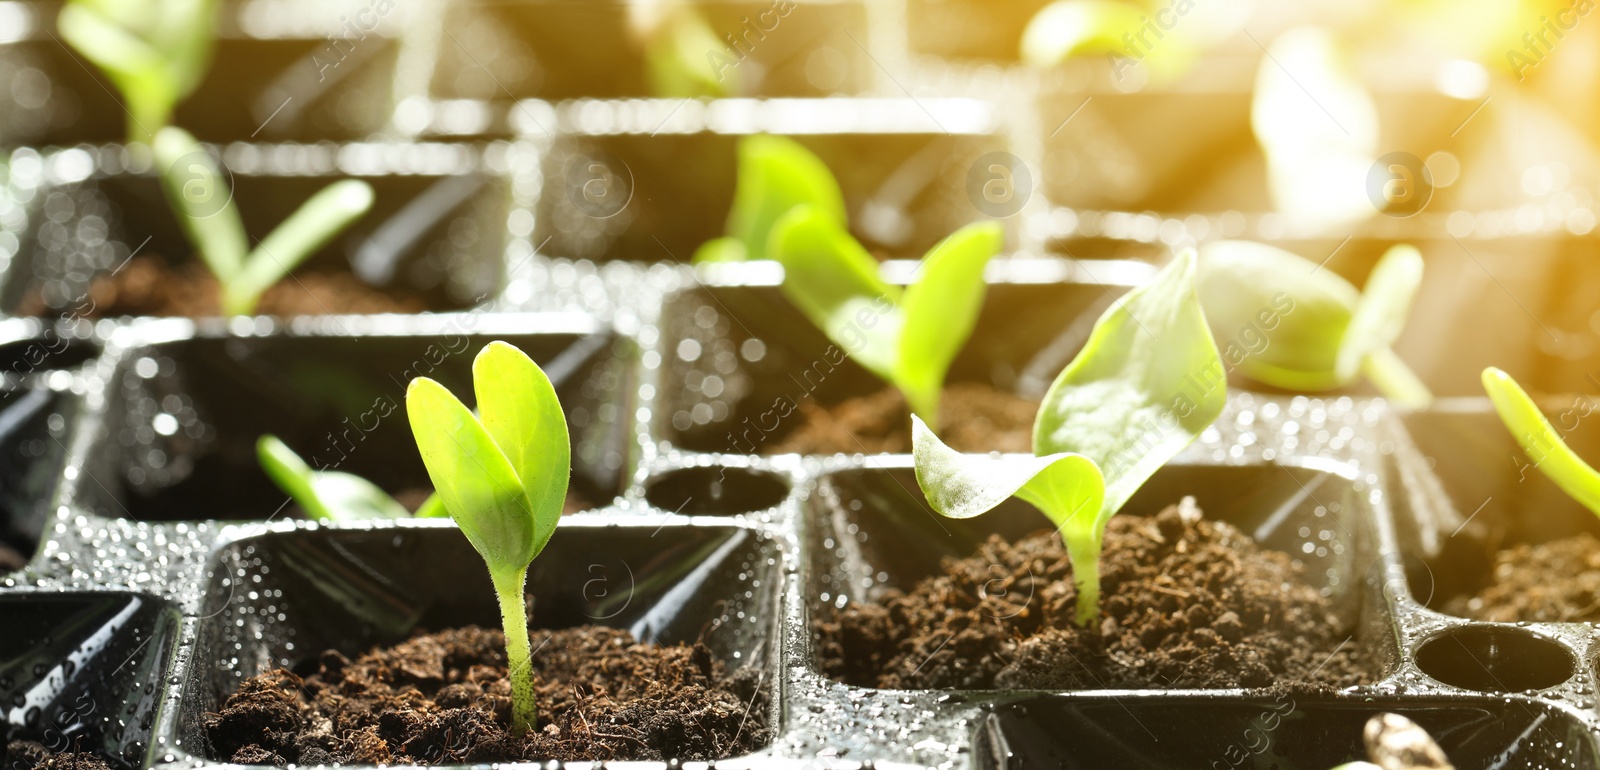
(1148, 381)
(777, 174)
(941, 309)
(835, 283)
(473, 477)
(326, 495)
(720, 250)
(1543, 443)
(1064, 486)
(432, 508)
(316, 222)
(679, 47)
(520, 410)
(200, 198)
(154, 51)
(1067, 28)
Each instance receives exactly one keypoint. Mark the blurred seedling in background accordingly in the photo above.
(333, 495)
(680, 49)
(1145, 385)
(1330, 335)
(202, 200)
(776, 174)
(155, 52)
(906, 337)
(503, 479)
(1543, 443)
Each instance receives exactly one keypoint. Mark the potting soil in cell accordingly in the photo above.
(1185, 602)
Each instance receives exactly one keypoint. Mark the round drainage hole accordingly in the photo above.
(1490, 659)
(716, 491)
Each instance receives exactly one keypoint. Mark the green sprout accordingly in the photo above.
(680, 49)
(503, 478)
(1543, 443)
(776, 174)
(200, 196)
(333, 495)
(1145, 385)
(154, 51)
(1332, 334)
(908, 338)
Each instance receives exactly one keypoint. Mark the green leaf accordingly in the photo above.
(1145, 385)
(200, 198)
(1293, 324)
(1067, 28)
(680, 48)
(325, 495)
(316, 222)
(1541, 440)
(941, 309)
(777, 174)
(520, 410)
(154, 51)
(477, 483)
(432, 508)
(720, 250)
(835, 283)
(1066, 487)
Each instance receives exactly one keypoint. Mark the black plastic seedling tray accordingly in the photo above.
(686, 535)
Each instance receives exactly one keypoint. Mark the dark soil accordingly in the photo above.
(27, 755)
(1185, 602)
(443, 698)
(973, 418)
(1558, 581)
(148, 286)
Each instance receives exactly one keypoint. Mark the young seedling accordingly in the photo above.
(681, 51)
(1317, 332)
(1543, 443)
(1123, 32)
(1396, 743)
(1146, 384)
(332, 495)
(154, 51)
(203, 202)
(908, 338)
(776, 174)
(503, 478)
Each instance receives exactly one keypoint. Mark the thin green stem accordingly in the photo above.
(1084, 554)
(519, 656)
(1395, 380)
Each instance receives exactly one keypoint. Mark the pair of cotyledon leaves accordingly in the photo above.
(501, 474)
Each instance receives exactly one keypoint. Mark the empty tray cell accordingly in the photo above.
(559, 49)
(283, 599)
(1283, 733)
(34, 425)
(177, 440)
(83, 671)
(716, 491)
(433, 240)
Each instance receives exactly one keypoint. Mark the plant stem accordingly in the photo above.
(519, 657)
(1395, 380)
(1084, 554)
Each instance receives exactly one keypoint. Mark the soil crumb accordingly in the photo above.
(28, 755)
(443, 698)
(973, 418)
(1185, 602)
(147, 286)
(1554, 582)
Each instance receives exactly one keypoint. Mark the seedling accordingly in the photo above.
(154, 51)
(203, 202)
(1543, 443)
(503, 479)
(1145, 385)
(908, 338)
(333, 495)
(1296, 325)
(775, 175)
(680, 49)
